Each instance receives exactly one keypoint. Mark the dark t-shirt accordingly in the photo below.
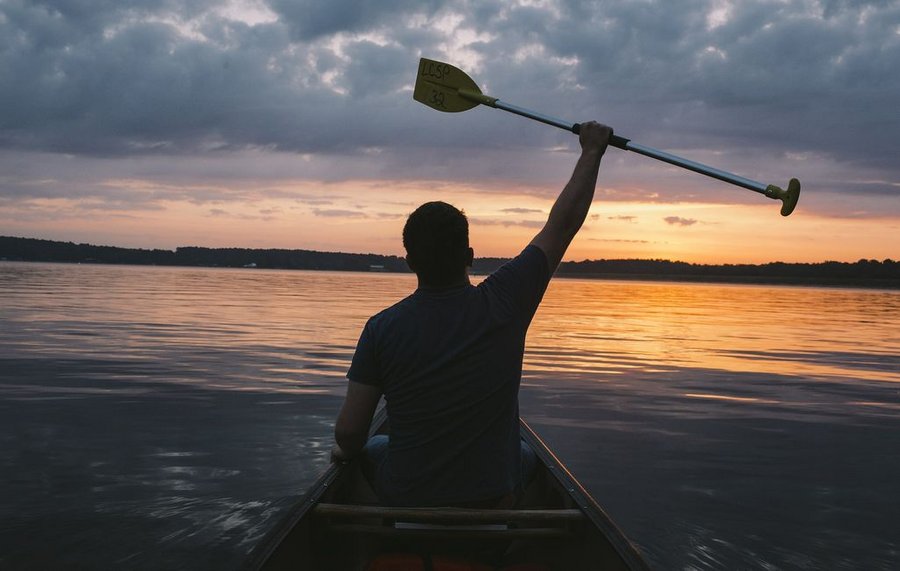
(449, 362)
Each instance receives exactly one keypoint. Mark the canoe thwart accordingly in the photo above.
(450, 533)
(448, 515)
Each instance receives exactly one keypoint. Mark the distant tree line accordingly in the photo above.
(860, 270)
(874, 273)
(32, 250)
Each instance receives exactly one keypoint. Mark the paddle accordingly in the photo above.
(446, 88)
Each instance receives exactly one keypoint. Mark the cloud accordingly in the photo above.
(388, 215)
(522, 210)
(758, 88)
(622, 218)
(158, 76)
(623, 241)
(222, 213)
(678, 221)
(338, 213)
(311, 19)
(507, 223)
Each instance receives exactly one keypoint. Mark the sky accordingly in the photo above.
(291, 123)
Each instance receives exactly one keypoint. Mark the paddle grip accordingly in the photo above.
(614, 140)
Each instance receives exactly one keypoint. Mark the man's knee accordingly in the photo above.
(372, 455)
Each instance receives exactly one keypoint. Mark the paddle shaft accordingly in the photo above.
(628, 145)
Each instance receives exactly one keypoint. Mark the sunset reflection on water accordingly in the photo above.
(611, 328)
(180, 411)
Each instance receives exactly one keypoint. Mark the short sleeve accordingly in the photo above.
(364, 367)
(522, 281)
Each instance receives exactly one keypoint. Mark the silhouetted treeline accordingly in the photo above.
(288, 259)
(866, 272)
(32, 250)
(872, 273)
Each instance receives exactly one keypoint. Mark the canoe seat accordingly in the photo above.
(445, 522)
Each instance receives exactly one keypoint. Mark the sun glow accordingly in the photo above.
(368, 217)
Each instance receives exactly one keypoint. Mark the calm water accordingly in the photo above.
(165, 417)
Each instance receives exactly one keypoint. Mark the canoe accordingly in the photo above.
(338, 524)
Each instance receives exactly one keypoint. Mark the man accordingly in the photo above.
(448, 358)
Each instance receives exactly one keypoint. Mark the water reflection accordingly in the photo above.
(164, 417)
(730, 399)
(729, 327)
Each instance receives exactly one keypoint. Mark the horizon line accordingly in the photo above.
(885, 260)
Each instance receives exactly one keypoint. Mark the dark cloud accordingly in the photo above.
(785, 76)
(522, 210)
(311, 19)
(753, 85)
(622, 218)
(679, 221)
(135, 84)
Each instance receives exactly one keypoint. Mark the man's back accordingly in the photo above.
(448, 360)
(449, 363)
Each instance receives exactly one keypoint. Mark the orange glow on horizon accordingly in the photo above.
(368, 217)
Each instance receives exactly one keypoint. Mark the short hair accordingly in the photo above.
(436, 238)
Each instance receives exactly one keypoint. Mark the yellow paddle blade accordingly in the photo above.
(446, 88)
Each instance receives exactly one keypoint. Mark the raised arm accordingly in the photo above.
(571, 207)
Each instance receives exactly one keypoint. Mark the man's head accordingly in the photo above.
(436, 238)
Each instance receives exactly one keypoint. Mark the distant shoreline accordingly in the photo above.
(871, 274)
(743, 280)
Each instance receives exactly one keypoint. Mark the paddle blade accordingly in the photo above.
(438, 86)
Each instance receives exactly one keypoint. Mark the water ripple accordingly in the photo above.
(166, 417)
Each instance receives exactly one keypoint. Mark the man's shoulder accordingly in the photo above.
(518, 285)
(531, 260)
(532, 254)
(392, 312)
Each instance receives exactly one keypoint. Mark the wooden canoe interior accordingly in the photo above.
(340, 526)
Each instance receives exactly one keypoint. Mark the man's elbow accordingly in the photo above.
(350, 439)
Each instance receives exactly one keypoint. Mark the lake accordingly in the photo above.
(155, 417)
